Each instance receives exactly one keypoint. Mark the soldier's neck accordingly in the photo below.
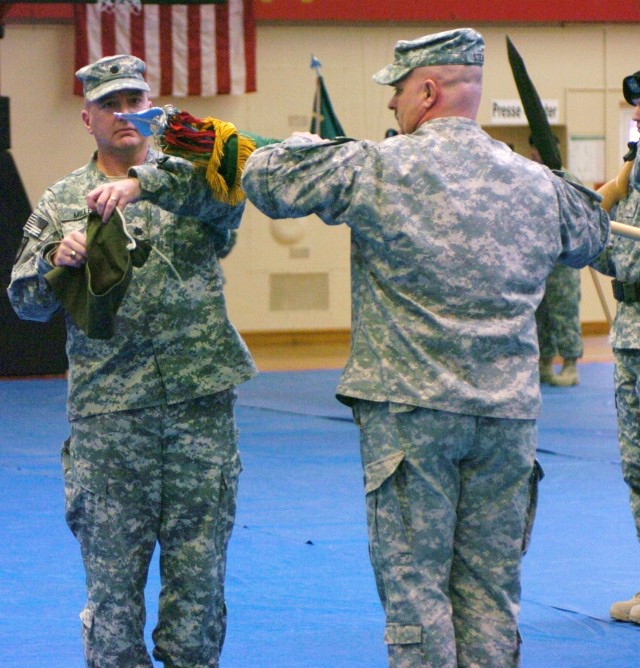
(119, 164)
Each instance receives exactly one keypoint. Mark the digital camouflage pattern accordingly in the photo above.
(131, 478)
(558, 316)
(453, 236)
(626, 380)
(173, 340)
(621, 260)
(152, 456)
(446, 607)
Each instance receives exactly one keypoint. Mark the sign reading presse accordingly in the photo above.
(511, 112)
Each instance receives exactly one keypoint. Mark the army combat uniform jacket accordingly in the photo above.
(173, 340)
(453, 235)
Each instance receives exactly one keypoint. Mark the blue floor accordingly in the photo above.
(299, 589)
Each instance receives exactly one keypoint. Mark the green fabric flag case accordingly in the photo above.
(92, 294)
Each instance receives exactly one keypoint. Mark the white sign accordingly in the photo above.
(586, 159)
(511, 112)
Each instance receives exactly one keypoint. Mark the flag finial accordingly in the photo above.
(315, 64)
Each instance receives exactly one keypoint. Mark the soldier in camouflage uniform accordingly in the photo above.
(558, 320)
(453, 235)
(558, 323)
(621, 260)
(152, 457)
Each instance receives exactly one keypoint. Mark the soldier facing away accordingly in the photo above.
(453, 236)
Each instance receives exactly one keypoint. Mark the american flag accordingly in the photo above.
(202, 50)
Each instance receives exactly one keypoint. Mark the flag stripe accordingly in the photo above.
(137, 35)
(195, 59)
(107, 32)
(165, 43)
(179, 45)
(122, 32)
(249, 38)
(152, 47)
(208, 51)
(222, 49)
(189, 49)
(82, 46)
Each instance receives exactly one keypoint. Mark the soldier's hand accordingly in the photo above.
(106, 197)
(71, 251)
(630, 155)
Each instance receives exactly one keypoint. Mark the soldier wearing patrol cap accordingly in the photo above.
(621, 261)
(152, 458)
(112, 74)
(453, 235)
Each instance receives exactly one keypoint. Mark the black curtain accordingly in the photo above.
(26, 348)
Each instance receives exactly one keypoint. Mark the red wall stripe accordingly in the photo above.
(487, 11)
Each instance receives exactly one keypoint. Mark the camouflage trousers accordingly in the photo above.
(168, 476)
(558, 315)
(447, 498)
(627, 391)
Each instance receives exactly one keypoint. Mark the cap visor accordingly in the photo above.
(390, 74)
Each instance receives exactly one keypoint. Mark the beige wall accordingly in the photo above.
(277, 274)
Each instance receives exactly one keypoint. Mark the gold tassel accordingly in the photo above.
(246, 146)
(223, 131)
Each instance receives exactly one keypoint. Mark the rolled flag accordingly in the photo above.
(539, 125)
(215, 146)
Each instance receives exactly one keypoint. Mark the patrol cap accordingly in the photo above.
(111, 74)
(463, 46)
(631, 88)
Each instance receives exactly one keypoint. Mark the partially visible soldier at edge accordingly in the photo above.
(621, 261)
(558, 318)
(152, 458)
(453, 236)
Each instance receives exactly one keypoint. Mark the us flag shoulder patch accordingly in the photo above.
(35, 225)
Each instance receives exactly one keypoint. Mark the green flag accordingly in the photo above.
(324, 122)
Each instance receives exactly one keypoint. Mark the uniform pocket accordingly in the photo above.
(377, 472)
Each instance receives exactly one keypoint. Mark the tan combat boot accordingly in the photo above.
(568, 376)
(621, 609)
(634, 614)
(545, 367)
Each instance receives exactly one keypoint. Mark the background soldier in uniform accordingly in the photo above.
(621, 260)
(558, 319)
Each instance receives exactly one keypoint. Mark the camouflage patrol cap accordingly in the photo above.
(631, 88)
(112, 74)
(463, 46)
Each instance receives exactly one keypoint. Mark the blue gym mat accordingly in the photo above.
(300, 590)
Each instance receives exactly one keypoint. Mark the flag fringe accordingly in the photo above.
(212, 145)
(224, 170)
